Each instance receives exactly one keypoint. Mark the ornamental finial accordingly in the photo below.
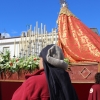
(63, 3)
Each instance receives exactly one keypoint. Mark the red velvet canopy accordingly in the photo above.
(78, 42)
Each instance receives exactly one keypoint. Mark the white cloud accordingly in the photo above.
(14, 32)
(7, 35)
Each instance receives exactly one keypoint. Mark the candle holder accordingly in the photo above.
(38, 45)
(28, 46)
(32, 50)
(29, 55)
(21, 49)
(22, 52)
(36, 53)
(20, 55)
(42, 43)
(26, 52)
(30, 42)
(14, 56)
(24, 55)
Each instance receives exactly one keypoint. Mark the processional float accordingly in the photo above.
(79, 44)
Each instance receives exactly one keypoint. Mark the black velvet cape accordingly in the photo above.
(60, 86)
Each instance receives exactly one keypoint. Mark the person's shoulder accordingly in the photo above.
(38, 72)
(35, 78)
(33, 81)
(95, 87)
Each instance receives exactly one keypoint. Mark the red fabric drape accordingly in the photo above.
(78, 42)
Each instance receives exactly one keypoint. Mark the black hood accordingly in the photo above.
(59, 82)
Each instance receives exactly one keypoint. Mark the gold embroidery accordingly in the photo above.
(87, 43)
(74, 33)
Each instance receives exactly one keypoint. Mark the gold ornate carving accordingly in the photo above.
(65, 10)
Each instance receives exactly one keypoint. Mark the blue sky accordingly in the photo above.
(16, 14)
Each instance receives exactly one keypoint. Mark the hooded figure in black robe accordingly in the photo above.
(60, 86)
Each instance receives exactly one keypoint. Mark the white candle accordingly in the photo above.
(14, 47)
(21, 43)
(32, 38)
(26, 39)
(46, 38)
(44, 35)
(19, 46)
(52, 36)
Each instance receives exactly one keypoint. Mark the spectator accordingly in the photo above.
(94, 93)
